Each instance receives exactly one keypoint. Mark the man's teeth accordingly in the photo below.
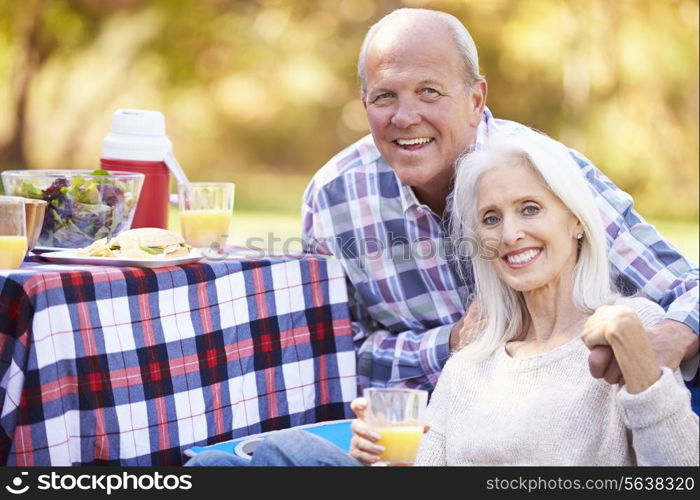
(412, 142)
(522, 258)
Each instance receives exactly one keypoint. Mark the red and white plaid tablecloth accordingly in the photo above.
(129, 366)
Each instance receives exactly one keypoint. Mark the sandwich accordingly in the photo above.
(141, 243)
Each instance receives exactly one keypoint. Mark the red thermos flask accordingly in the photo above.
(137, 143)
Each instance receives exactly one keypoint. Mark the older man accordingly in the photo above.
(382, 207)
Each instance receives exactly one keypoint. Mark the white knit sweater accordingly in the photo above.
(547, 409)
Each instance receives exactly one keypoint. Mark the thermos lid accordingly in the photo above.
(138, 122)
(137, 134)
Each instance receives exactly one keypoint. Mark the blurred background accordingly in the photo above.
(263, 92)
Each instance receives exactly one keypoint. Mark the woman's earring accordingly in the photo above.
(579, 236)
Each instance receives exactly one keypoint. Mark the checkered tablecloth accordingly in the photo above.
(129, 366)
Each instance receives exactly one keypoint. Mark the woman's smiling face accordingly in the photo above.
(533, 232)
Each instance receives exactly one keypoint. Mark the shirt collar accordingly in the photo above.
(406, 194)
(486, 127)
(410, 203)
(408, 197)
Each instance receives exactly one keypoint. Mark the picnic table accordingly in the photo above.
(132, 366)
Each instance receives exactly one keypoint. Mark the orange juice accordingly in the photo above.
(12, 251)
(201, 228)
(400, 443)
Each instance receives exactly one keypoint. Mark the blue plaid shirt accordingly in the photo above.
(404, 290)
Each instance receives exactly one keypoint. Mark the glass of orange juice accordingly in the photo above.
(13, 232)
(206, 209)
(397, 415)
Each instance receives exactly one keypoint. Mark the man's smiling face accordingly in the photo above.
(421, 111)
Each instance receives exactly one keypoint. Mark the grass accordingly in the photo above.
(274, 230)
(281, 230)
(267, 230)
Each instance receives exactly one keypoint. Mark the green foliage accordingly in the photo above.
(269, 86)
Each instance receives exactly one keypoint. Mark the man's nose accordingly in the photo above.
(406, 114)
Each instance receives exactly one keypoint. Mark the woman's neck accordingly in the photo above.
(553, 316)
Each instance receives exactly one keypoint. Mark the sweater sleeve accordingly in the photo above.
(648, 312)
(663, 425)
(432, 446)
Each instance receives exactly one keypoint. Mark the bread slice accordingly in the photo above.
(149, 242)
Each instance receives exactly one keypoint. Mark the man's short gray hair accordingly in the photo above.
(463, 40)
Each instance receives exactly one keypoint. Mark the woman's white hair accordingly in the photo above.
(503, 309)
(463, 40)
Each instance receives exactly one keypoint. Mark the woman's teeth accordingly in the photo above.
(523, 257)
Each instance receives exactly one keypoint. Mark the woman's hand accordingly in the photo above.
(620, 328)
(363, 445)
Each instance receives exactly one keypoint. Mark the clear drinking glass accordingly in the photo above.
(34, 211)
(397, 415)
(13, 232)
(206, 209)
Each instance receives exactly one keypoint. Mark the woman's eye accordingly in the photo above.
(490, 220)
(531, 210)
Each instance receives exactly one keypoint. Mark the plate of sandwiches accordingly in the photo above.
(143, 247)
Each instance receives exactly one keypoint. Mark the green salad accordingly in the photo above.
(81, 210)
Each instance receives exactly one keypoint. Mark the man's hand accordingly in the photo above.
(671, 341)
(456, 335)
(602, 364)
(468, 324)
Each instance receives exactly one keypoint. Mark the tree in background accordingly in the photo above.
(269, 86)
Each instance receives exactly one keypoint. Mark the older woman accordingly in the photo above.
(521, 393)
